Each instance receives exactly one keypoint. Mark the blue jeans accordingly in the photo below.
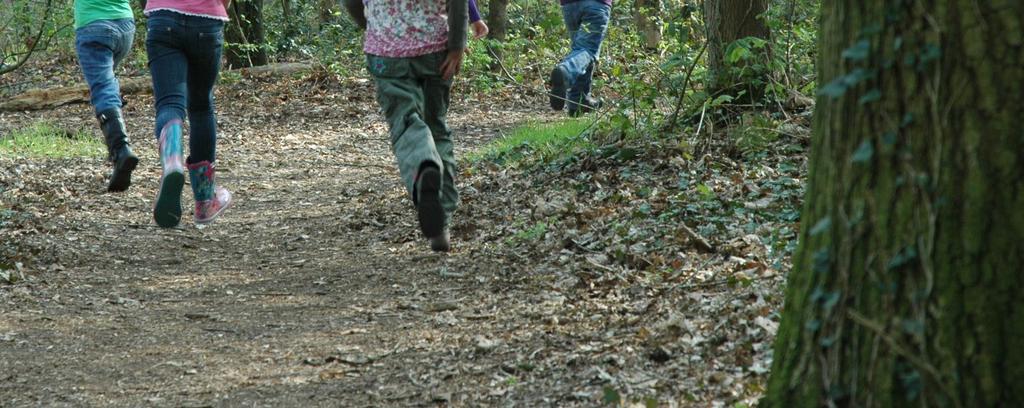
(101, 45)
(587, 22)
(184, 60)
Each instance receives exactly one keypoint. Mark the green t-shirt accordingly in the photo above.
(87, 11)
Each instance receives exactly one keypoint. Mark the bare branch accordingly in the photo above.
(35, 43)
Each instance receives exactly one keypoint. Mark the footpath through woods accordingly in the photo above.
(315, 288)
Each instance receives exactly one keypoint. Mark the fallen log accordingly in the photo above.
(39, 99)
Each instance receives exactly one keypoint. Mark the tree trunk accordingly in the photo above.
(245, 35)
(497, 22)
(647, 15)
(907, 287)
(727, 21)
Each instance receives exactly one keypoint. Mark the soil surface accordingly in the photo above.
(315, 288)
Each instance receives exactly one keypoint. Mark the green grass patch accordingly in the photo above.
(44, 139)
(538, 141)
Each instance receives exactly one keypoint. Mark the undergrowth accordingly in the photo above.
(44, 139)
(537, 141)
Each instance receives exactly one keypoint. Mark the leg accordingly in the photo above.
(100, 46)
(203, 68)
(401, 99)
(586, 47)
(206, 42)
(561, 78)
(167, 66)
(94, 44)
(400, 93)
(436, 98)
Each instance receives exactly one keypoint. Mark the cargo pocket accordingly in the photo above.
(384, 67)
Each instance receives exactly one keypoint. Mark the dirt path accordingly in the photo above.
(315, 288)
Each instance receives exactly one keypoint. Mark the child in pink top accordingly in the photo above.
(184, 42)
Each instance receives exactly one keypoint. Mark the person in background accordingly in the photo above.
(479, 27)
(104, 31)
(414, 48)
(184, 43)
(570, 81)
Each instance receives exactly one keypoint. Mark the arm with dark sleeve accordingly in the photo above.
(474, 13)
(458, 16)
(355, 9)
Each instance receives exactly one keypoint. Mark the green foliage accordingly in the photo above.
(32, 26)
(540, 141)
(44, 139)
(755, 133)
(611, 396)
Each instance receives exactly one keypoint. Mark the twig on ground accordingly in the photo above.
(701, 242)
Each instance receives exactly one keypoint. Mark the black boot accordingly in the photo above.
(118, 151)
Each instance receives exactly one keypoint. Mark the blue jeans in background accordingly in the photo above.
(587, 22)
(184, 60)
(101, 45)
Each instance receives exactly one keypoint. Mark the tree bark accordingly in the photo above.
(497, 22)
(245, 35)
(647, 17)
(907, 287)
(727, 21)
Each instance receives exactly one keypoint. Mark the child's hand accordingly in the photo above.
(479, 29)
(452, 64)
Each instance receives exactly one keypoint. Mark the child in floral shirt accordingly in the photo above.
(413, 50)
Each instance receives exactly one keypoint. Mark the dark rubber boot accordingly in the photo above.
(428, 201)
(118, 151)
(558, 85)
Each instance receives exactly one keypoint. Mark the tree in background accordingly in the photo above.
(647, 16)
(497, 21)
(27, 26)
(907, 287)
(245, 35)
(732, 23)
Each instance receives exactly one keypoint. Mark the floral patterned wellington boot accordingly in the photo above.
(211, 199)
(167, 209)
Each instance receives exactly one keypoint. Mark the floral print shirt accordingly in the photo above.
(405, 28)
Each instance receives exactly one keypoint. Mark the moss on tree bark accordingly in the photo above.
(907, 288)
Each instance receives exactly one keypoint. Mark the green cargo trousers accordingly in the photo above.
(414, 99)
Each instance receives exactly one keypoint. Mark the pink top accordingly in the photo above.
(405, 28)
(200, 8)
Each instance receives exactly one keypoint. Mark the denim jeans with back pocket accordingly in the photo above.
(101, 46)
(184, 59)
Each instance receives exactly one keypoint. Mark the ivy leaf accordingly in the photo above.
(611, 396)
(907, 120)
(821, 226)
(834, 89)
(858, 52)
(864, 152)
(872, 96)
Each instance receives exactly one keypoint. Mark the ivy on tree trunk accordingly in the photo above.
(907, 287)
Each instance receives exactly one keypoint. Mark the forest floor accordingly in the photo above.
(568, 285)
